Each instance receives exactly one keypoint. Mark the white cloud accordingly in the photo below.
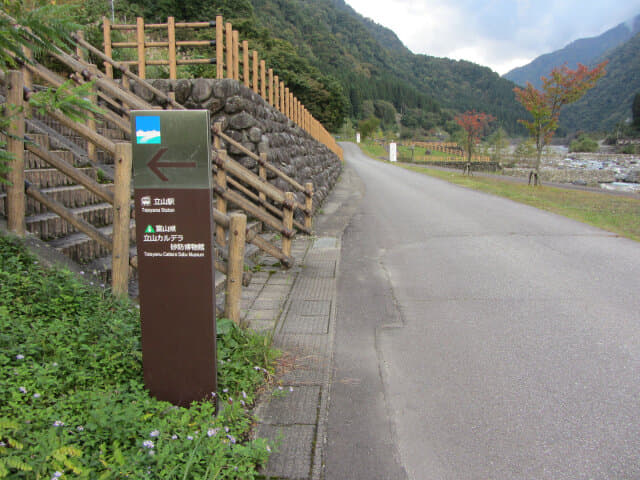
(501, 34)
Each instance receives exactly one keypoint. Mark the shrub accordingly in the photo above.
(72, 400)
(584, 143)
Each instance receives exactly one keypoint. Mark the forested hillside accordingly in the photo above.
(341, 65)
(610, 101)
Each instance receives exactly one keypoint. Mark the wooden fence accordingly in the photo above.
(120, 199)
(269, 204)
(451, 148)
(233, 60)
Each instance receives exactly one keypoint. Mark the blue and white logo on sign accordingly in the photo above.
(148, 130)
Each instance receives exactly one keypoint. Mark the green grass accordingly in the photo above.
(617, 214)
(72, 399)
(373, 149)
(376, 151)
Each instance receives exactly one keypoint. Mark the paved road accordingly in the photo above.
(478, 338)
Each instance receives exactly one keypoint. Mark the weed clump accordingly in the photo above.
(72, 400)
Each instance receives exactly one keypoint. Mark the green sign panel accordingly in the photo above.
(171, 149)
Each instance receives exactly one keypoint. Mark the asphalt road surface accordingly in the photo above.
(478, 338)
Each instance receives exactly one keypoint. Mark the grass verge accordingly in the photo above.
(617, 214)
(72, 400)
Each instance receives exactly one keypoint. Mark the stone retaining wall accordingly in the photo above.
(259, 127)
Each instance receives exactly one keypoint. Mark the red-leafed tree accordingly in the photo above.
(473, 124)
(561, 87)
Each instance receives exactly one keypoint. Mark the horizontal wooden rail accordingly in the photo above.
(59, 209)
(218, 131)
(230, 59)
(179, 43)
(164, 25)
(255, 210)
(71, 172)
(127, 72)
(262, 202)
(55, 81)
(255, 239)
(222, 160)
(81, 129)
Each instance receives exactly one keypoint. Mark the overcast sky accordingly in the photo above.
(501, 34)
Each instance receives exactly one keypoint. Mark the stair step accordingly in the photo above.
(82, 249)
(112, 133)
(72, 196)
(39, 138)
(32, 161)
(102, 267)
(50, 177)
(49, 225)
(104, 157)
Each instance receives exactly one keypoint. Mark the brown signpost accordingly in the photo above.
(174, 232)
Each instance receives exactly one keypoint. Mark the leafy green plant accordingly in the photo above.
(72, 400)
(583, 143)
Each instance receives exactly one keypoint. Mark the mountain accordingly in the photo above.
(340, 64)
(373, 65)
(610, 101)
(584, 50)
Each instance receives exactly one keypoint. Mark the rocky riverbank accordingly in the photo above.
(607, 170)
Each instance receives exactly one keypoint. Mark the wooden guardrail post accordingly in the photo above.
(171, 36)
(16, 202)
(262, 172)
(236, 55)
(308, 204)
(282, 95)
(142, 66)
(287, 221)
(219, 48)
(254, 84)
(246, 75)
(121, 219)
(106, 31)
(229, 48)
(271, 86)
(235, 266)
(263, 82)
(276, 88)
(221, 202)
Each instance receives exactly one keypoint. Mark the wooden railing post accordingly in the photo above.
(287, 221)
(246, 71)
(171, 34)
(276, 88)
(219, 48)
(229, 48)
(255, 72)
(286, 102)
(262, 172)
(221, 202)
(308, 204)
(106, 31)
(142, 65)
(282, 96)
(291, 105)
(121, 219)
(16, 202)
(271, 86)
(263, 81)
(235, 266)
(236, 56)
